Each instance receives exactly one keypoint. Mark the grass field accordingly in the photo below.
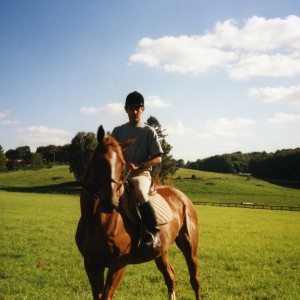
(216, 187)
(207, 186)
(243, 254)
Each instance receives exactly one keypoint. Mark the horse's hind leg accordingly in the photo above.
(95, 273)
(188, 244)
(163, 264)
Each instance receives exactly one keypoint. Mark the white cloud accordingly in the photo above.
(258, 65)
(221, 127)
(6, 119)
(111, 108)
(186, 55)
(259, 34)
(155, 101)
(261, 47)
(280, 94)
(284, 118)
(227, 128)
(178, 129)
(118, 108)
(36, 136)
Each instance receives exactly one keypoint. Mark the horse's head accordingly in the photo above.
(106, 171)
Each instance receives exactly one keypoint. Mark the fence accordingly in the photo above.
(75, 190)
(250, 205)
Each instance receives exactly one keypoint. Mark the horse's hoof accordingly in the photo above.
(172, 296)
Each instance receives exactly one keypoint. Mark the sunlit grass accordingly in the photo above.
(35, 178)
(205, 187)
(243, 254)
(216, 187)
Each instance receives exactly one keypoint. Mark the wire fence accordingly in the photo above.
(249, 205)
(76, 190)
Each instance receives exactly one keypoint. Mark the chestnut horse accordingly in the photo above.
(107, 239)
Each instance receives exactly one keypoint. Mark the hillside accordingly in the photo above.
(217, 187)
(198, 185)
(50, 180)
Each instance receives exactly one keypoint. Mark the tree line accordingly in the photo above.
(78, 153)
(280, 165)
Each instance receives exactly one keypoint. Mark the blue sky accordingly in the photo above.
(220, 76)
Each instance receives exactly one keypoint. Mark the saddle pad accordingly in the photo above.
(161, 207)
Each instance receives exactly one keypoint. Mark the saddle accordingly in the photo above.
(130, 206)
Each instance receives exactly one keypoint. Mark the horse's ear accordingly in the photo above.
(100, 134)
(127, 143)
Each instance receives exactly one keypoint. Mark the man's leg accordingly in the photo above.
(151, 239)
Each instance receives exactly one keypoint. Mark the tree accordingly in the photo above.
(37, 159)
(180, 163)
(54, 154)
(18, 158)
(48, 153)
(2, 158)
(81, 150)
(168, 166)
(63, 153)
(22, 153)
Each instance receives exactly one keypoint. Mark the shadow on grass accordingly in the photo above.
(285, 183)
(71, 188)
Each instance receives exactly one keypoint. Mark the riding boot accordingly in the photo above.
(151, 237)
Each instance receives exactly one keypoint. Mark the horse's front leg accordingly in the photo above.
(95, 273)
(164, 266)
(113, 278)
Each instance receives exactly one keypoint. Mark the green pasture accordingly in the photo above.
(243, 254)
(216, 187)
(48, 180)
(198, 185)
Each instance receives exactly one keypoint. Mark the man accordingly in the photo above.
(140, 156)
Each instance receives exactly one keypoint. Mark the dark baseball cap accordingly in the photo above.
(134, 99)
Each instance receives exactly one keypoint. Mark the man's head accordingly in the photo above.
(134, 107)
(134, 99)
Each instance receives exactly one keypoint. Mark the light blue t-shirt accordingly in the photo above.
(146, 145)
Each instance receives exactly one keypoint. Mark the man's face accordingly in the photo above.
(134, 113)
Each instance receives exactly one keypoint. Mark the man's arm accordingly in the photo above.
(145, 165)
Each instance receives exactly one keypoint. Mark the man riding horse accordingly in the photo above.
(140, 156)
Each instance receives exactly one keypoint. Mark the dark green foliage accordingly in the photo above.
(281, 165)
(81, 150)
(18, 158)
(55, 154)
(2, 159)
(22, 153)
(227, 163)
(37, 159)
(168, 167)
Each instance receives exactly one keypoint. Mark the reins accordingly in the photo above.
(94, 195)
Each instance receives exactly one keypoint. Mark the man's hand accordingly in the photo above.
(132, 166)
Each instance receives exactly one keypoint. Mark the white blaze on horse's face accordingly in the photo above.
(113, 163)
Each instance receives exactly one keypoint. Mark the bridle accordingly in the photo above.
(95, 194)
